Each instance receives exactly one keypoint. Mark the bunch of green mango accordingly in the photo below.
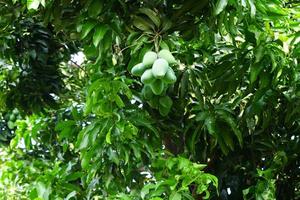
(157, 74)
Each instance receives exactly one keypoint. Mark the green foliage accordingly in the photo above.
(264, 189)
(177, 175)
(227, 96)
(265, 186)
(37, 55)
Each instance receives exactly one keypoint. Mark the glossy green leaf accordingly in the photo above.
(33, 4)
(108, 135)
(70, 195)
(95, 8)
(100, 31)
(220, 6)
(152, 15)
(175, 196)
(86, 28)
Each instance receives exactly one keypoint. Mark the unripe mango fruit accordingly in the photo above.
(157, 86)
(170, 76)
(149, 58)
(165, 104)
(167, 55)
(160, 68)
(153, 102)
(138, 69)
(147, 77)
(147, 92)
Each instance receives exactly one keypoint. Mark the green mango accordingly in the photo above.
(138, 69)
(163, 111)
(147, 92)
(167, 55)
(147, 77)
(170, 76)
(157, 86)
(154, 102)
(160, 68)
(165, 104)
(149, 58)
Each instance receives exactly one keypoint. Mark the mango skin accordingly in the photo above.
(138, 69)
(147, 77)
(147, 92)
(167, 55)
(160, 68)
(153, 102)
(149, 58)
(165, 101)
(165, 105)
(170, 76)
(157, 87)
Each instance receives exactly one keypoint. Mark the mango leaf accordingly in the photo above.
(152, 15)
(95, 8)
(175, 196)
(118, 101)
(33, 4)
(142, 24)
(136, 151)
(210, 123)
(70, 195)
(166, 24)
(108, 136)
(184, 83)
(83, 137)
(188, 196)
(225, 134)
(43, 190)
(74, 176)
(145, 190)
(255, 70)
(113, 156)
(66, 128)
(43, 3)
(231, 122)
(123, 196)
(86, 158)
(86, 28)
(220, 6)
(84, 142)
(99, 33)
(252, 8)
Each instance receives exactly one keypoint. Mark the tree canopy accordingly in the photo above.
(174, 99)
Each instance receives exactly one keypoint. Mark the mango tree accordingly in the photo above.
(171, 100)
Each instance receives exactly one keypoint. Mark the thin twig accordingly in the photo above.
(77, 65)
